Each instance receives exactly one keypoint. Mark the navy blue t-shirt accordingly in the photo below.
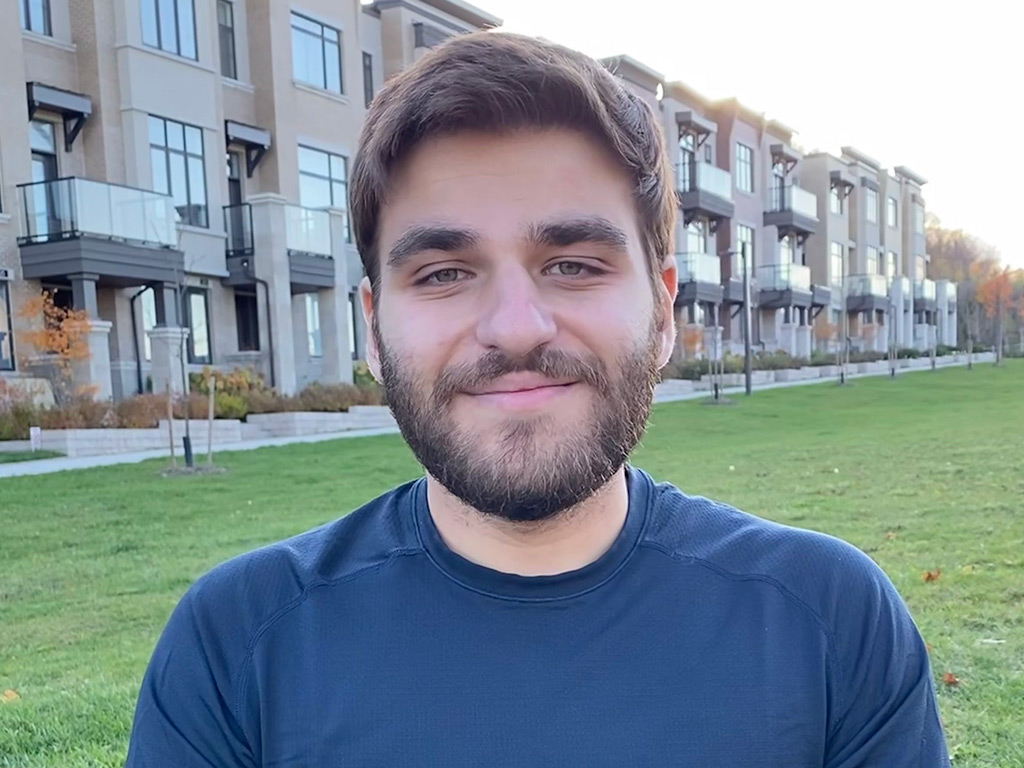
(703, 637)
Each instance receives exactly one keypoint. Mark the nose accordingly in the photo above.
(514, 318)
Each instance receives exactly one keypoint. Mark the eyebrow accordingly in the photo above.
(430, 238)
(585, 229)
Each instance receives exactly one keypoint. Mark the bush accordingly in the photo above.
(690, 370)
(944, 349)
(867, 356)
(907, 353)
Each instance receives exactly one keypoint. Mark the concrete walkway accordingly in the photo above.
(46, 466)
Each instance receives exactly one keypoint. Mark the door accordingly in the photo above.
(239, 239)
(45, 210)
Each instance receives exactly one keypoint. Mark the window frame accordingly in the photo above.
(178, 37)
(323, 42)
(314, 337)
(746, 162)
(368, 90)
(186, 155)
(836, 251)
(25, 12)
(230, 31)
(868, 258)
(331, 181)
(187, 295)
(738, 255)
(871, 205)
(836, 201)
(244, 344)
(892, 212)
(7, 317)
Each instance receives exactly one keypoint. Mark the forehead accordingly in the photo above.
(500, 184)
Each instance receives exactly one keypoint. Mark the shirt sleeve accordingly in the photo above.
(885, 711)
(184, 716)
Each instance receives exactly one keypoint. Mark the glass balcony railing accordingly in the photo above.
(71, 207)
(699, 268)
(924, 289)
(867, 285)
(238, 226)
(307, 230)
(789, 197)
(705, 177)
(782, 277)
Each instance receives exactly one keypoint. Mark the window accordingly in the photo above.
(836, 258)
(226, 33)
(176, 153)
(836, 201)
(170, 26)
(316, 54)
(920, 268)
(313, 325)
(197, 310)
(6, 337)
(871, 204)
(352, 325)
(787, 250)
(707, 152)
(871, 267)
(919, 219)
(323, 181)
(35, 16)
(890, 265)
(247, 321)
(890, 211)
(148, 307)
(697, 237)
(744, 168)
(744, 236)
(367, 78)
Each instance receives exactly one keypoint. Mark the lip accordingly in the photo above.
(526, 394)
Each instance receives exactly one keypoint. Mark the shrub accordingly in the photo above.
(907, 353)
(944, 349)
(228, 406)
(141, 411)
(867, 356)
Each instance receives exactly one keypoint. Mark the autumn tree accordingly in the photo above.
(58, 338)
(995, 294)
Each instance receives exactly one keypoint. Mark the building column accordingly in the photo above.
(167, 345)
(335, 317)
(91, 373)
(271, 264)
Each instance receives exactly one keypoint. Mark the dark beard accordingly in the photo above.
(517, 483)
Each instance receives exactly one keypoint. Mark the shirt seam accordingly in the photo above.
(823, 626)
(246, 665)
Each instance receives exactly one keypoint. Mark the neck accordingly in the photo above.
(567, 542)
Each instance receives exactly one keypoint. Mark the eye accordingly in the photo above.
(572, 269)
(442, 276)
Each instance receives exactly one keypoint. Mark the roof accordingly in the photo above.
(633, 70)
(860, 157)
(906, 173)
(459, 9)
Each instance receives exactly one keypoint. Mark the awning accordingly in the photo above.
(255, 140)
(74, 108)
(693, 123)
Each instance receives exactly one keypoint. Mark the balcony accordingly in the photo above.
(784, 285)
(704, 192)
(924, 295)
(125, 236)
(700, 277)
(866, 293)
(945, 292)
(794, 211)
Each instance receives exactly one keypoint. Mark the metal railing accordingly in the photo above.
(866, 285)
(307, 230)
(781, 277)
(699, 268)
(694, 176)
(924, 289)
(71, 207)
(238, 226)
(789, 197)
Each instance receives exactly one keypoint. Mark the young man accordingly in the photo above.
(532, 601)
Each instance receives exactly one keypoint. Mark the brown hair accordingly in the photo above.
(496, 81)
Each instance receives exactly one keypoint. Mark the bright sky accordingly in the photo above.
(938, 89)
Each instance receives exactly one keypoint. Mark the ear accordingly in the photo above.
(668, 287)
(372, 351)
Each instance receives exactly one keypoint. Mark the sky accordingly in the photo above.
(939, 90)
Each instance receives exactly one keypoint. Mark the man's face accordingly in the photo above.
(517, 332)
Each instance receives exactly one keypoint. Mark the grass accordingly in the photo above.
(9, 457)
(930, 477)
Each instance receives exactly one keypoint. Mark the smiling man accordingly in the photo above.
(532, 600)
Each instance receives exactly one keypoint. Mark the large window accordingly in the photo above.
(697, 236)
(316, 54)
(890, 212)
(920, 268)
(226, 34)
(169, 25)
(148, 310)
(836, 264)
(323, 181)
(836, 201)
(35, 16)
(247, 321)
(176, 154)
(871, 205)
(313, 340)
(367, 78)
(919, 218)
(197, 311)
(744, 168)
(6, 339)
(787, 250)
(890, 265)
(871, 266)
(744, 236)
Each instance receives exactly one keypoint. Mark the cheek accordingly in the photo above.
(422, 338)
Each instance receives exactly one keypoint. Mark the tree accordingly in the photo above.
(58, 344)
(995, 294)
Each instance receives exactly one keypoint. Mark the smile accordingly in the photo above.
(526, 397)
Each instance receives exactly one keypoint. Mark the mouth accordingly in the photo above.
(522, 396)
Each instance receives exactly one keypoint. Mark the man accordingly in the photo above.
(532, 601)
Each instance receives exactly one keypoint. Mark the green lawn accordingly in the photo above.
(925, 472)
(13, 456)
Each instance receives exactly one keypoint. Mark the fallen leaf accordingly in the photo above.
(950, 679)
(931, 575)
(9, 695)
(890, 535)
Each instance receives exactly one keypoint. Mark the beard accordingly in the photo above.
(519, 479)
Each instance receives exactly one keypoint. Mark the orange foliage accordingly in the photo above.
(824, 330)
(995, 292)
(62, 339)
(691, 338)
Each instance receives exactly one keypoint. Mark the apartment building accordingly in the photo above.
(178, 169)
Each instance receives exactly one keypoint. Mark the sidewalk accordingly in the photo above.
(46, 466)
